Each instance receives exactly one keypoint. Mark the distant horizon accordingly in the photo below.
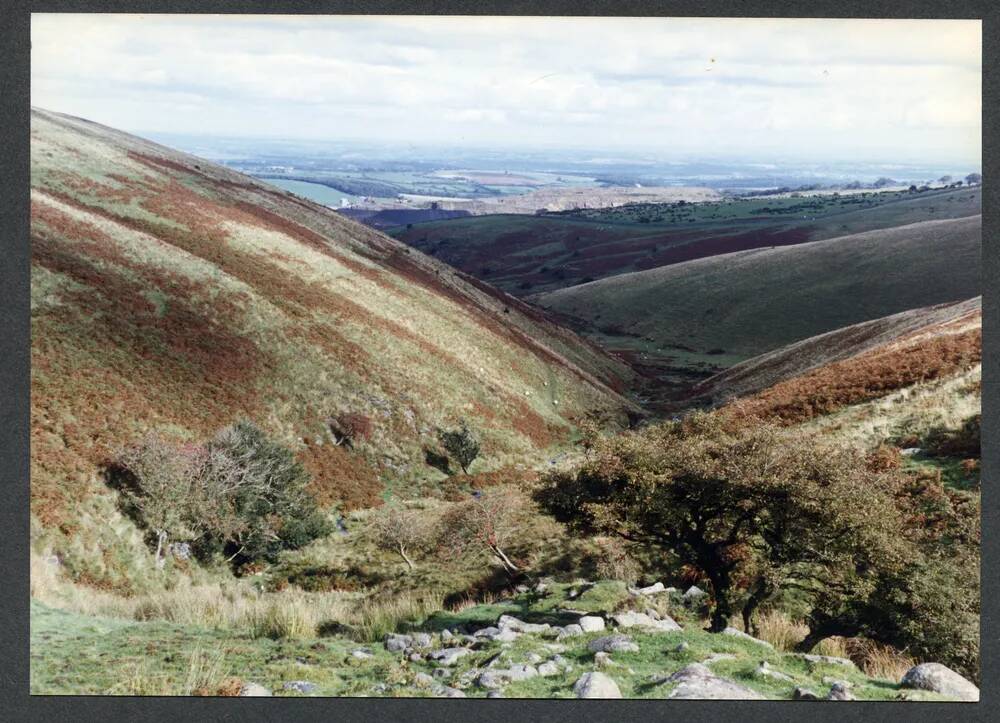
(865, 91)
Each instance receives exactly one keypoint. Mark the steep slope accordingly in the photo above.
(173, 294)
(747, 303)
(907, 327)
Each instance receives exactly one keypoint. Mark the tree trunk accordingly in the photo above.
(723, 609)
(761, 591)
(823, 631)
(511, 567)
(409, 562)
(161, 537)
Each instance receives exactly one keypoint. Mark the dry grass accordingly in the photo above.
(879, 661)
(205, 675)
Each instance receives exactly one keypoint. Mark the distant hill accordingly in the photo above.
(530, 254)
(743, 304)
(170, 293)
(870, 339)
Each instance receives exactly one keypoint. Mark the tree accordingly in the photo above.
(944, 179)
(733, 498)
(488, 522)
(399, 530)
(461, 444)
(973, 179)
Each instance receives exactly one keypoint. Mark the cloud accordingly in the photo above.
(899, 88)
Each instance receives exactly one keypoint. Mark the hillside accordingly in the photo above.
(902, 330)
(172, 294)
(530, 254)
(702, 316)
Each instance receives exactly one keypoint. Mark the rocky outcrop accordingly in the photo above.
(696, 682)
(613, 644)
(941, 679)
(596, 685)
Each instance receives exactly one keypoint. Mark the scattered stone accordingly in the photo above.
(570, 631)
(254, 690)
(444, 691)
(693, 595)
(938, 678)
(521, 589)
(521, 672)
(839, 691)
(491, 679)
(362, 653)
(695, 681)
(613, 644)
(651, 590)
(653, 614)
(299, 686)
(642, 620)
(486, 632)
(448, 656)
(596, 685)
(494, 694)
(560, 660)
(511, 623)
(446, 635)
(910, 451)
(441, 673)
(416, 657)
(422, 680)
(548, 669)
(682, 647)
(829, 659)
(422, 640)
(395, 643)
(828, 680)
(740, 634)
(603, 660)
(768, 672)
(534, 658)
(804, 694)
(591, 623)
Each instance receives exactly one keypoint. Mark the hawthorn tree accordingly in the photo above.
(460, 444)
(490, 521)
(399, 530)
(736, 499)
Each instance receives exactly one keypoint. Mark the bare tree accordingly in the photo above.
(489, 521)
(397, 529)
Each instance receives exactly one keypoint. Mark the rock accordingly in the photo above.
(486, 632)
(650, 612)
(602, 660)
(740, 634)
(299, 686)
(512, 623)
(570, 631)
(494, 694)
(441, 673)
(682, 647)
(534, 658)
(804, 694)
(768, 672)
(422, 640)
(422, 680)
(827, 680)
(591, 623)
(560, 660)
(362, 653)
(828, 659)
(839, 691)
(444, 691)
(693, 595)
(613, 644)
(642, 620)
(548, 669)
(506, 636)
(416, 657)
(397, 643)
(522, 672)
(521, 589)
(491, 679)
(940, 679)
(596, 685)
(695, 681)
(651, 590)
(448, 656)
(254, 690)
(180, 550)
(446, 635)
(910, 451)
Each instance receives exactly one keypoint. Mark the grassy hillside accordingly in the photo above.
(172, 294)
(904, 329)
(530, 254)
(706, 315)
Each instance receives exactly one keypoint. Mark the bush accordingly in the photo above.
(488, 522)
(241, 494)
(401, 531)
(350, 427)
(461, 444)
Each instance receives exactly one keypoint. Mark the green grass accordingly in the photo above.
(952, 473)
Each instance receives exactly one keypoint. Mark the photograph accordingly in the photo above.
(523, 357)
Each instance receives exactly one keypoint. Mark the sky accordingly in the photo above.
(899, 90)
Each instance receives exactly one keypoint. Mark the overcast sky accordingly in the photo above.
(897, 90)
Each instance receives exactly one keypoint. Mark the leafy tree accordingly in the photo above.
(734, 499)
(461, 444)
(399, 530)
(973, 178)
(488, 522)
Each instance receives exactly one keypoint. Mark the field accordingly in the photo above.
(526, 255)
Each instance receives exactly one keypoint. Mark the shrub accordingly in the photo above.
(461, 444)
(241, 494)
(401, 531)
(488, 522)
(350, 427)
